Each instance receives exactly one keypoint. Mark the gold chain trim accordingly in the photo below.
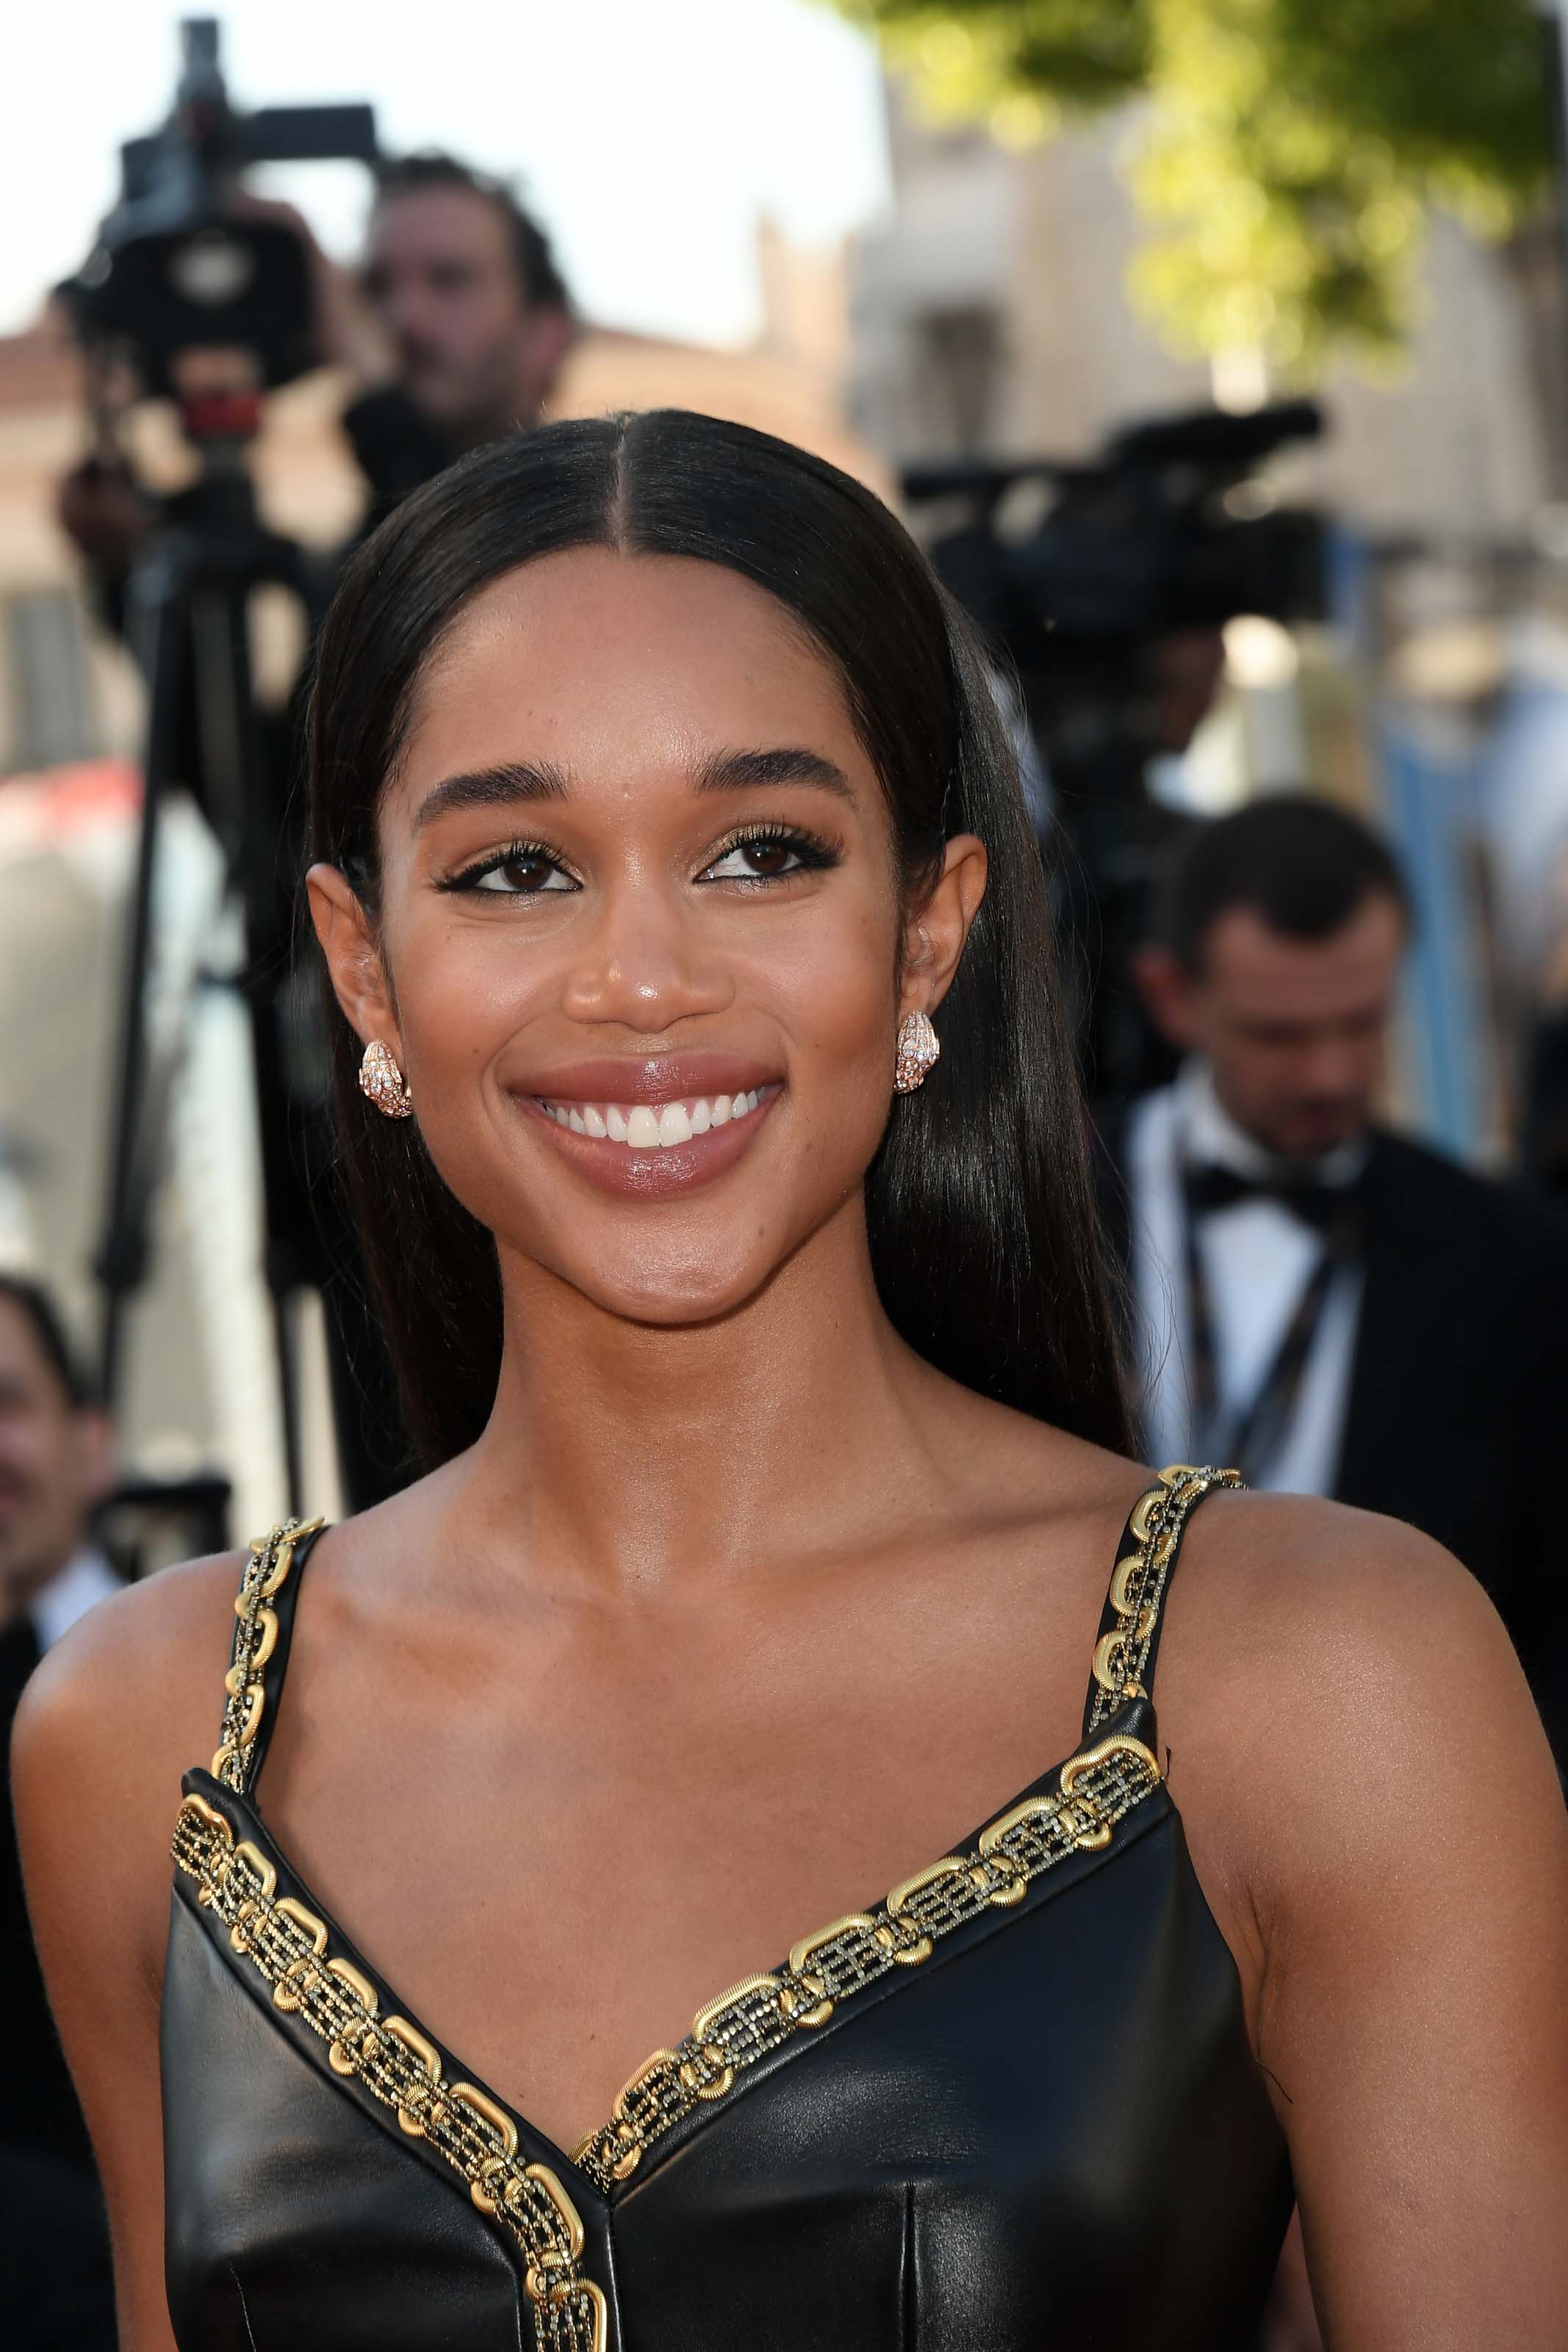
(265, 1572)
(731, 2033)
(397, 2065)
(1138, 1583)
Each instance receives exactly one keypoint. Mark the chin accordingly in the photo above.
(675, 1299)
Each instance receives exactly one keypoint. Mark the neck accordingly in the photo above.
(654, 1456)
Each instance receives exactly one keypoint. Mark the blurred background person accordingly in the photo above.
(462, 286)
(1333, 1307)
(56, 1466)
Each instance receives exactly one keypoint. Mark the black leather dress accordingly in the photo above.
(1009, 2108)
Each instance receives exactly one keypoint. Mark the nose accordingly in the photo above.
(403, 304)
(644, 963)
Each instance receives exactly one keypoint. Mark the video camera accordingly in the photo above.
(1165, 530)
(175, 267)
(1087, 578)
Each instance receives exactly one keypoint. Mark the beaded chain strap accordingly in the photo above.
(1138, 1585)
(1096, 1789)
(269, 1569)
(397, 2065)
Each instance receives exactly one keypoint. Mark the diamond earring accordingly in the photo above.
(381, 1082)
(918, 1046)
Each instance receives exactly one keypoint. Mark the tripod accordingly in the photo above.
(188, 618)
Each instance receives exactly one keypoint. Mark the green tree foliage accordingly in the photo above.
(1286, 152)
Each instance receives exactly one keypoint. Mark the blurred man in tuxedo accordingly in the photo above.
(56, 1462)
(1333, 1308)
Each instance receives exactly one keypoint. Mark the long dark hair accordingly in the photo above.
(982, 1227)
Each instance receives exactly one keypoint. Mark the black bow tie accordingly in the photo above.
(1329, 1209)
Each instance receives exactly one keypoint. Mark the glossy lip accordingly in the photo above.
(624, 1175)
(657, 1079)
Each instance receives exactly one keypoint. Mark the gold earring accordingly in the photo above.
(918, 1046)
(381, 1082)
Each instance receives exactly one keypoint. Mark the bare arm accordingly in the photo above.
(1396, 1824)
(114, 1716)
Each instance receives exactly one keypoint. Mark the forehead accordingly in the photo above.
(413, 225)
(1273, 973)
(617, 666)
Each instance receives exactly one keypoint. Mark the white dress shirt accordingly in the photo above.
(86, 1578)
(1257, 1260)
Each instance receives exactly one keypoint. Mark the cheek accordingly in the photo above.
(463, 988)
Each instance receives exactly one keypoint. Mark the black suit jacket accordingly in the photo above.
(1458, 1415)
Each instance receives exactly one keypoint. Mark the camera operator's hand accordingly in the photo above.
(104, 514)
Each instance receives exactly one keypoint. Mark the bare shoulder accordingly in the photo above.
(1315, 1597)
(141, 1675)
(118, 1710)
(1333, 1681)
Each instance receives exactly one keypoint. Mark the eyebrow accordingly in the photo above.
(722, 772)
(502, 787)
(734, 772)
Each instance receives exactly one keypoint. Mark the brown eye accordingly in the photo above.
(758, 858)
(520, 873)
(767, 856)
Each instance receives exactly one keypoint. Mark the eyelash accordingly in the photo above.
(813, 854)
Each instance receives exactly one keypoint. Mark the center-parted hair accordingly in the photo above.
(980, 1210)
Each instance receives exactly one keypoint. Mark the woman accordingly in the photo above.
(663, 831)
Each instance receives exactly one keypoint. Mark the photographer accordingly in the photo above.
(454, 335)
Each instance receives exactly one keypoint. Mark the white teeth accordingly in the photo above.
(652, 1126)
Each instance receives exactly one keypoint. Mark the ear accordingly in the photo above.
(353, 958)
(1169, 989)
(935, 930)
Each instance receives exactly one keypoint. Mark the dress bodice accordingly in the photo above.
(1009, 2107)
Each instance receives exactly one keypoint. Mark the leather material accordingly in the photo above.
(1052, 2133)
(291, 2219)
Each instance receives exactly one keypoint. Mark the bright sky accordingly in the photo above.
(649, 134)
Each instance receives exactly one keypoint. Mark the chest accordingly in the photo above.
(561, 1877)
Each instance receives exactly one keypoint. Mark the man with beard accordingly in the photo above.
(56, 1456)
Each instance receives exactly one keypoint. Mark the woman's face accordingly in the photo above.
(641, 955)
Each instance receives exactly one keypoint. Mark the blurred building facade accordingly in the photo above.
(991, 317)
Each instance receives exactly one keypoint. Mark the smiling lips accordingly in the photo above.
(645, 1130)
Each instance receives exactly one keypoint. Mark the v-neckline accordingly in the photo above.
(1051, 1821)
(766, 2017)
